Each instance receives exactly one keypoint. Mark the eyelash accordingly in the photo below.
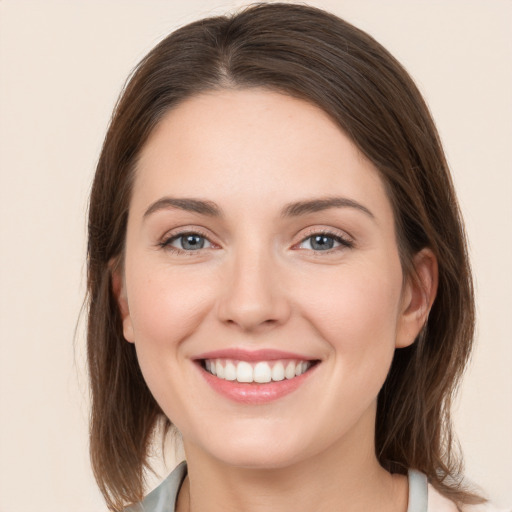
(166, 242)
(345, 243)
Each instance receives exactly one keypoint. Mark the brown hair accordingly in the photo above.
(310, 54)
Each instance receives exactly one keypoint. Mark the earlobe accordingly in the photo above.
(119, 290)
(418, 296)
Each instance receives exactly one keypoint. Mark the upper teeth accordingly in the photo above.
(262, 371)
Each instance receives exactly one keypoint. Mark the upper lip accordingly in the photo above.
(241, 354)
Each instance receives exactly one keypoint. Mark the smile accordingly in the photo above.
(253, 377)
(257, 371)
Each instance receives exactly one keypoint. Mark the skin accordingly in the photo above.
(259, 283)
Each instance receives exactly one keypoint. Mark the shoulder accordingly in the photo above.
(163, 498)
(439, 503)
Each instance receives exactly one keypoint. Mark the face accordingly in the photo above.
(261, 247)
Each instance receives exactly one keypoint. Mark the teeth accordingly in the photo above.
(244, 372)
(260, 372)
(219, 369)
(230, 371)
(290, 370)
(278, 372)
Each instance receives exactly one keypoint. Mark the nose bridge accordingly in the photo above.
(252, 296)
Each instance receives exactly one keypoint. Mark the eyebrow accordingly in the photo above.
(317, 205)
(187, 204)
(294, 209)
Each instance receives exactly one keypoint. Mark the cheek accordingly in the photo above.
(356, 312)
(166, 306)
(357, 319)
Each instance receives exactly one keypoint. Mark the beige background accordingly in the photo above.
(62, 65)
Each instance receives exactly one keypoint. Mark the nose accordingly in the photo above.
(253, 297)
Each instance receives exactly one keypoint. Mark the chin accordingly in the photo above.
(256, 448)
(258, 457)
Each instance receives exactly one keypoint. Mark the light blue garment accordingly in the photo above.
(418, 492)
(163, 498)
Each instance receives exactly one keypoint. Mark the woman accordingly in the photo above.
(277, 266)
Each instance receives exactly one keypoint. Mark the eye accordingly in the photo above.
(324, 242)
(186, 242)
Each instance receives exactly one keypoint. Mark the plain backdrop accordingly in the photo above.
(62, 65)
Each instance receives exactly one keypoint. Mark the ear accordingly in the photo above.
(417, 297)
(119, 290)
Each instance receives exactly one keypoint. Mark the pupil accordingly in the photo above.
(191, 242)
(322, 242)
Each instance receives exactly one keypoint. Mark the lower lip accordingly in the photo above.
(254, 393)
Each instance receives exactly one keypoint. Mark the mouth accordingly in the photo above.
(260, 372)
(255, 377)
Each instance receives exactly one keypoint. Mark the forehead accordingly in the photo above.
(256, 145)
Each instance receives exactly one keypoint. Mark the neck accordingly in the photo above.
(345, 477)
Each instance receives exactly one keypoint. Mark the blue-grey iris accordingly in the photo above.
(192, 242)
(322, 242)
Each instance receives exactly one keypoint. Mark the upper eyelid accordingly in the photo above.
(333, 232)
(177, 232)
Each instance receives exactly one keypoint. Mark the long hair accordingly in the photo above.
(313, 55)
